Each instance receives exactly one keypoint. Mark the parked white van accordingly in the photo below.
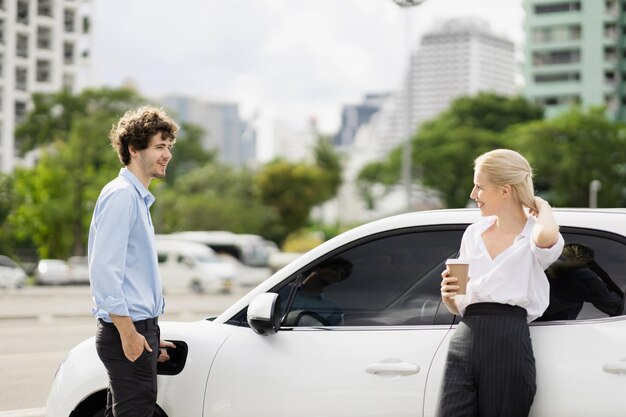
(248, 254)
(192, 266)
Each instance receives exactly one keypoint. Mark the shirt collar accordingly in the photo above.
(526, 231)
(528, 228)
(146, 195)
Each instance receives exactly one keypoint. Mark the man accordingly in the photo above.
(124, 277)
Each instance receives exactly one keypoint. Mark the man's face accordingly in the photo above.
(153, 160)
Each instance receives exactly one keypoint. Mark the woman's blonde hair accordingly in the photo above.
(507, 167)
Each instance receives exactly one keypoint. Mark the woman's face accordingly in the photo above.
(488, 196)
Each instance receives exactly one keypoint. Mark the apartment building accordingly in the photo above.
(575, 54)
(354, 116)
(44, 47)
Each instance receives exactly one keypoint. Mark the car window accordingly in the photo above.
(387, 280)
(161, 258)
(589, 278)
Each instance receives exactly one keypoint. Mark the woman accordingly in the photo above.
(490, 369)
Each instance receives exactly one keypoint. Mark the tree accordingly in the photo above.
(292, 190)
(214, 197)
(569, 151)
(327, 159)
(188, 152)
(445, 147)
(54, 114)
(7, 201)
(445, 159)
(55, 200)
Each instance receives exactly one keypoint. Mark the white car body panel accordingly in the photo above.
(11, 274)
(570, 360)
(232, 371)
(305, 367)
(187, 263)
(83, 364)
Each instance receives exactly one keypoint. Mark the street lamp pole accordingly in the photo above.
(594, 187)
(408, 103)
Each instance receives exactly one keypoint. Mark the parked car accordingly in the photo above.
(267, 355)
(192, 266)
(250, 252)
(78, 269)
(52, 272)
(246, 276)
(11, 274)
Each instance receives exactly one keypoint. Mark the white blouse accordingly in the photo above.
(514, 277)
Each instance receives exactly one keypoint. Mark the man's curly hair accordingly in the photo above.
(137, 127)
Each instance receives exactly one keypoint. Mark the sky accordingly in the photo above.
(288, 60)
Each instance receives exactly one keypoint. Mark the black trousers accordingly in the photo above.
(132, 390)
(490, 368)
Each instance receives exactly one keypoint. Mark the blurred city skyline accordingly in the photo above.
(285, 60)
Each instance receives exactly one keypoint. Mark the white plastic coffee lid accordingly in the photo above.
(457, 261)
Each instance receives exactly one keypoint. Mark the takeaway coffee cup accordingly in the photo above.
(459, 268)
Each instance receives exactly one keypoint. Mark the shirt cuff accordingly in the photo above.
(114, 306)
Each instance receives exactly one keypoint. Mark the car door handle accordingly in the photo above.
(392, 368)
(617, 368)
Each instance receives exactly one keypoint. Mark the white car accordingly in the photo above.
(275, 354)
(186, 265)
(245, 275)
(11, 274)
(78, 269)
(52, 272)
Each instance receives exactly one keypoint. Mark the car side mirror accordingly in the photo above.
(264, 313)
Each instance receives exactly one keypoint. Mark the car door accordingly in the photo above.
(373, 361)
(581, 360)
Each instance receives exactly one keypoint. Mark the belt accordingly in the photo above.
(494, 309)
(140, 325)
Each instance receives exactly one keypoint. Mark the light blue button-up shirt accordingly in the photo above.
(123, 267)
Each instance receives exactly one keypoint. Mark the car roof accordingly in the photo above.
(182, 245)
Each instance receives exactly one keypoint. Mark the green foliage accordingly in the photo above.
(55, 200)
(53, 115)
(488, 111)
(327, 159)
(445, 159)
(213, 197)
(188, 152)
(444, 149)
(570, 151)
(7, 201)
(291, 190)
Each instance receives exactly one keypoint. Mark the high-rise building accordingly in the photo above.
(459, 57)
(575, 54)
(44, 47)
(224, 131)
(295, 145)
(354, 116)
